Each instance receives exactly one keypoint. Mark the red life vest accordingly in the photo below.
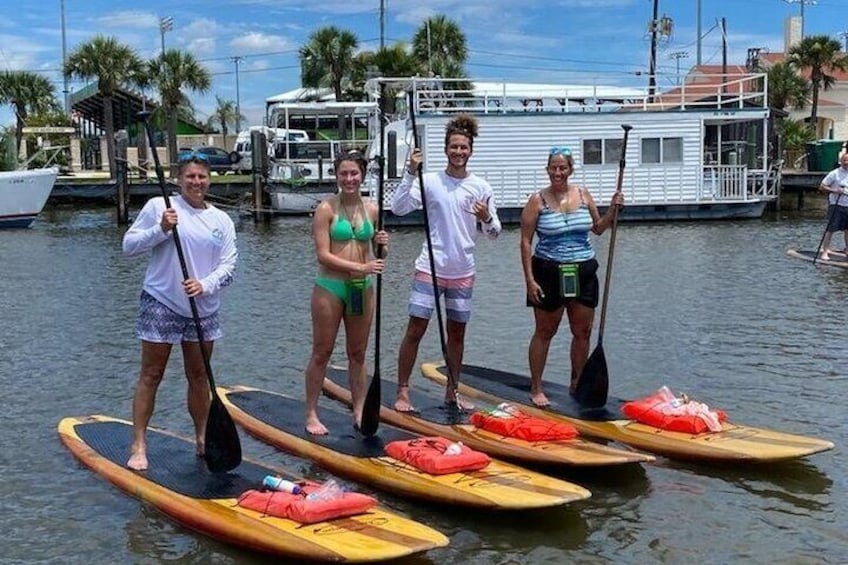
(428, 455)
(303, 510)
(653, 411)
(519, 425)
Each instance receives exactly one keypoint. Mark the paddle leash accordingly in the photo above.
(593, 384)
(452, 382)
(371, 409)
(222, 450)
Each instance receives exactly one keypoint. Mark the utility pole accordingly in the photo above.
(802, 3)
(382, 23)
(652, 69)
(237, 60)
(678, 55)
(65, 90)
(698, 30)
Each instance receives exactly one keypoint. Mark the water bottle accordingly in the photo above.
(454, 448)
(328, 491)
(280, 484)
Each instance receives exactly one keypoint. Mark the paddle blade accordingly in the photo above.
(593, 384)
(223, 448)
(371, 408)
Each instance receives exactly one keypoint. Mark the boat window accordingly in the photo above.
(601, 151)
(662, 150)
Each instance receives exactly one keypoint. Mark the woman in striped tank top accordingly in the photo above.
(561, 273)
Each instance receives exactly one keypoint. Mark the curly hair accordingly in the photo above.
(463, 124)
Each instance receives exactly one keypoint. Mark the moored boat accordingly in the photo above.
(23, 194)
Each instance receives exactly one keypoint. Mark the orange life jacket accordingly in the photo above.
(519, 425)
(428, 455)
(649, 411)
(303, 510)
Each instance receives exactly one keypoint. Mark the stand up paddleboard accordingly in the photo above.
(179, 485)
(733, 443)
(835, 258)
(433, 417)
(277, 419)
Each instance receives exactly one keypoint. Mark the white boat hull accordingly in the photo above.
(23, 194)
(299, 200)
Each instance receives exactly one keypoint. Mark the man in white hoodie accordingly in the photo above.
(456, 201)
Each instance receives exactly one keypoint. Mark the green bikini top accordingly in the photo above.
(342, 230)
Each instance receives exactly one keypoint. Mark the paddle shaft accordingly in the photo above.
(451, 377)
(370, 421)
(614, 228)
(160, 175)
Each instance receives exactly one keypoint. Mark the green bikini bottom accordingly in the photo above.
(340, 288)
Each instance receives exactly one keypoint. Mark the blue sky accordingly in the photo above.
(550, 41)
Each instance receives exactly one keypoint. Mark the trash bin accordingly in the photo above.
(813, 156)
(829, 154)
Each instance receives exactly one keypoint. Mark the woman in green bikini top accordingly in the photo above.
(346, 246)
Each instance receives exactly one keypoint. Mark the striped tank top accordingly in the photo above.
(563, 237)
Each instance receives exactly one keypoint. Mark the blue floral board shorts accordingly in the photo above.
(159, 324)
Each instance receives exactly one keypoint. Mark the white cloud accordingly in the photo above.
(134, 19)
(258, 42)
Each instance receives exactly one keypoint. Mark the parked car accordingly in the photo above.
(220, 160)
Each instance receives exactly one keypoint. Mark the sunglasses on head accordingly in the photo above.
(564, 151)
(194, 156)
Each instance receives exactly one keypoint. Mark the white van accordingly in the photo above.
(274, 135)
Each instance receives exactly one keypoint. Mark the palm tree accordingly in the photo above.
(172, 71)
(224, 115)
(112, 64)
(440, 46)
(786, 87)
(28, 93)
(821, 55)
(393, 61)
(327, 61)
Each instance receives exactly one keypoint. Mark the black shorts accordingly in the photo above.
(547, 276)
(838, 218)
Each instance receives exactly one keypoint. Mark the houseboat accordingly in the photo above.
(700, 151)
(301, 172)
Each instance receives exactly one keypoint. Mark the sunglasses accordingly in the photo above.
(564, 151)
(194, 156)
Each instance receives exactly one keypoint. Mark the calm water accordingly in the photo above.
(713, 309)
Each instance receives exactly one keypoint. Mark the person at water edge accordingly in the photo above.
(208, 239)
(835, 184)
(347, 247)
(456, 201)
(561, 273)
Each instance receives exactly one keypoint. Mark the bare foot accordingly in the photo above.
(402, 403)
(138, 460)
(315, 427)
(539, 400)
(200, 448)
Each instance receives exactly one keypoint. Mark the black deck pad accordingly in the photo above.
(173, 462)
(286, 413)
(428, 407)
(516, 388)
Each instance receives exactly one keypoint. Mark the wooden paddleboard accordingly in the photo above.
(733, 443)
(180, 486)
(433, 417)
(278, 420)
(835, 259)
